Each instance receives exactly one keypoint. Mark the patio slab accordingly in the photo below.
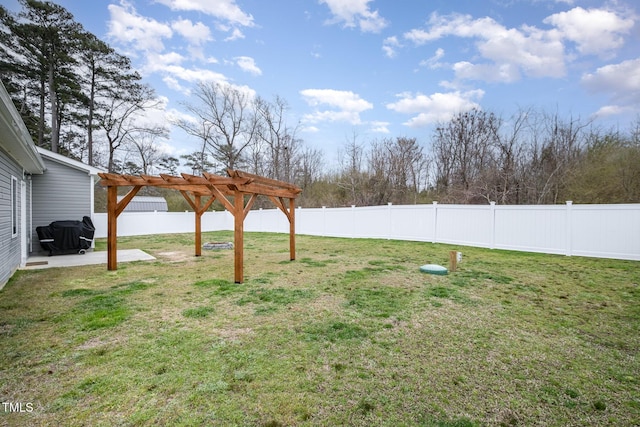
(89, 258)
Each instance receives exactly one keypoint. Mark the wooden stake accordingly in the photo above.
(453, 261)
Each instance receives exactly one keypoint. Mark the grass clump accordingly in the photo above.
(334, 331)
(268, 300)
(198, 312)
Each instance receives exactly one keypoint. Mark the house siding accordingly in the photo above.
(9, 246)
(61, 193)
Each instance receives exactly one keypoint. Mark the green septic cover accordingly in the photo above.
(434, 269)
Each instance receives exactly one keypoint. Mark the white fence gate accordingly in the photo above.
(605, 231)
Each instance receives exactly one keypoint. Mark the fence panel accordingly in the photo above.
(468, 225)
(531, 228)
(608, 231)
(412, 222)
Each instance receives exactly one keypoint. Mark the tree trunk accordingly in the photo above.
(55, 130)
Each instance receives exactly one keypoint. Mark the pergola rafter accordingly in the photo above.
(230, 191)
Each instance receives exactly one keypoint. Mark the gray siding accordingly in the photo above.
(61, 193)
(9, 246)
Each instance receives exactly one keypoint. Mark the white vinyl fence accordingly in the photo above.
(605, 231)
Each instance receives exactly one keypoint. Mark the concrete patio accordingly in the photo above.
(89, 258)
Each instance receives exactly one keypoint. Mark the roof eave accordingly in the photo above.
(15, 137)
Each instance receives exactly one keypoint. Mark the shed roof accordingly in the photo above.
(146, 204)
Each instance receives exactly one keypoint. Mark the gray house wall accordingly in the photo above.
(10, 252)
(61, 193)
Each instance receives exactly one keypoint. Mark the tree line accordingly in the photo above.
(81, 98)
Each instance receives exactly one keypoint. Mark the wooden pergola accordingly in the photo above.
(200, 192)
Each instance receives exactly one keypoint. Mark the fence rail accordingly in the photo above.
(604, 231)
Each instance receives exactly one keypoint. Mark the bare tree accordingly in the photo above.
(225, 122)
(352, 175)
(503, 181)
(122, 119)
(281, 147)
(463, 151)
(556, 144)
(144, 147)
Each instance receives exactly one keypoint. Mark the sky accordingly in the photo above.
(375, 69)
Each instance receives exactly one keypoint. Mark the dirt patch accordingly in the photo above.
(97, 342)
(234, 334)
(175, 256)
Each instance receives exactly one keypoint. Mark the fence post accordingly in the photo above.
(353, 221)
(493, 225)
(435, 222)
(568, 223)
(390, 233)
(324, 221)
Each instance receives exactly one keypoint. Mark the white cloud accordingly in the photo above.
(347, 105)
(129, 28)
(611, 110)
(510, 53)
(434, 61)
(457, 25)
(247, 64)
(171, 58)
(226, 10)
(389, 46)
(355, 13)
(527, 50)
(428, 109)
(196, 34)
(174, 116)
(154, 115)
(174, 76)
(595, 31)
(505, 73)
(174, 84)
(236, 34)
(621, 81)
(342, 99)
(380, 127)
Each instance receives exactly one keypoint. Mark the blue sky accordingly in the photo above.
(382, 68)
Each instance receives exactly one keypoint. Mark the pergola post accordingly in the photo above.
(112, 228)
(292, 229)
(198, 212)
(238, 245)
(114, 209)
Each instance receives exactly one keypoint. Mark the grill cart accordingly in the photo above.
(66, 237)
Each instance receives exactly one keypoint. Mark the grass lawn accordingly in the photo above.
(351, 333)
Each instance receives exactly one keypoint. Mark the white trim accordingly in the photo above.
(24, 253)
(14, 207)
(30, 214)
(15, 138)
(90, 170)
